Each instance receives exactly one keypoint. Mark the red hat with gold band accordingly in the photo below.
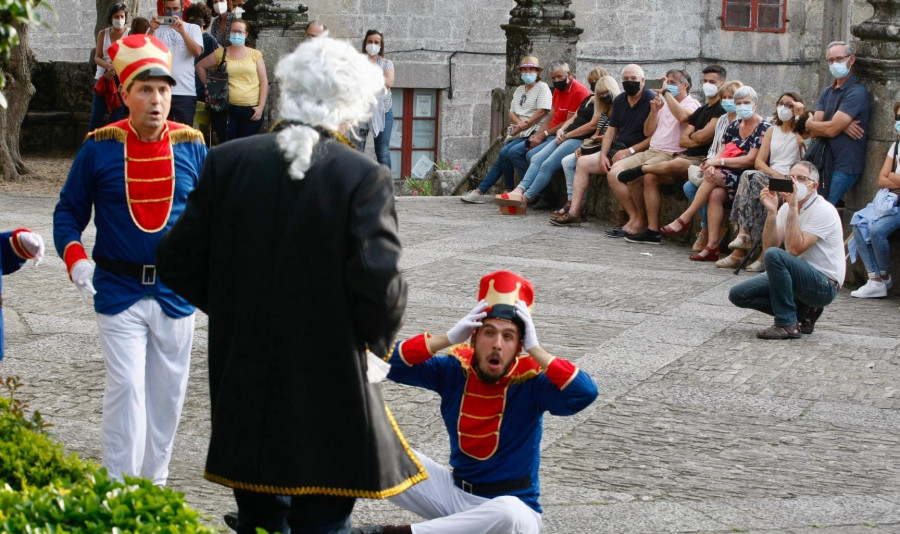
(141, 56)
(501, 290)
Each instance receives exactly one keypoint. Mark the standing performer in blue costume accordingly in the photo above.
(16, 248)
(492, 400)
(136, 174)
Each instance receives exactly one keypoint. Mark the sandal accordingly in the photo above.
(668, 230)
(712, 254)
(729, 262)
(742, 242)
(791, 331)
(757, 266)
(510, 200)
(700, 242)
(561, 211)
(566, 220)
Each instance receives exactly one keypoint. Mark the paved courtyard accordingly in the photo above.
(699, 427)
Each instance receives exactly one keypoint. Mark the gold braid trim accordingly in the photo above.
(335, 492)
(108, 134)
(186, 135)
(524, 377)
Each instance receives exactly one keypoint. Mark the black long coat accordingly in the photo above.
(297, 278)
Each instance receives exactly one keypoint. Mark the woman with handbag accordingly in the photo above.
(780, 150)
(875, 251)
(248, 86)
(742, 140)
(106, 83)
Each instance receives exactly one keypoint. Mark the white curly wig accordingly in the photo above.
(324, 83)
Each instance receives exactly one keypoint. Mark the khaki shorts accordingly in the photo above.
(695, 160)
(647, 157)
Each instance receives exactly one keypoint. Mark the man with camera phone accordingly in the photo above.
(185, 42)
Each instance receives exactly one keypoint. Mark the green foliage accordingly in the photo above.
(419, 186)
(13, 12)
(442, 164)
(45, 491)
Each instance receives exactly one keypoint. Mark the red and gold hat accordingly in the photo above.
(141, 56)
(501, 290)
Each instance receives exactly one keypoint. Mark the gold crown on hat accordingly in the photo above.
(137, 53)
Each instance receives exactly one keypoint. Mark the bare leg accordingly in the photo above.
(675, 167)
(639, 223)
(652, 198)
(699, 200)
(584, 168)
(715, 213)
(625, 198)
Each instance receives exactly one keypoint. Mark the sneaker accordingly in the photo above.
(873, 289)
(648, 237)
(888, 283)
(475, 197)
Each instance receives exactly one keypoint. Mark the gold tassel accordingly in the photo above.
(108, 133)
(186, 135)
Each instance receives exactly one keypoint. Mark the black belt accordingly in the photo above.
(494, 488)
(146, 273)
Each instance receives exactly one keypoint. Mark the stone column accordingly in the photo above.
(878, 68)
(542, 28)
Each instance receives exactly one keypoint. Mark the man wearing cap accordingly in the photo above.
(527, 113)
(136, 175)
(492, 400)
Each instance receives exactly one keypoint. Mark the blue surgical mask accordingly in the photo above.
(529, 78)
(237, 39)
(897, 126)
(672, 88)
(839, 70)
(744, 111)
(171, 13)
(728, 105)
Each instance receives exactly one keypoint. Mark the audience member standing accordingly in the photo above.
(117, 17)
(225, 12)
(382, 121)
(185, 42)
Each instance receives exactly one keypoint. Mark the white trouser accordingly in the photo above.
(451, 510)
(147, 355)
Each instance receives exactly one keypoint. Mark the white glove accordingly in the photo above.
(466, 326)
(82, 276)
(531, 340)
(34, 244)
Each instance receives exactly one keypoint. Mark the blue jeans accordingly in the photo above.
(546, 161)
(502, 165)
(306, 514)
(876, 253)
(382, 140)
(521, 156)
(690, 191)
(568, 164)
(788, 284)
(98, 111)
(840, 183)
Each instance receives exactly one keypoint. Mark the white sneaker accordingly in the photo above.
(872, 289)
(475, 197)
(888, 282)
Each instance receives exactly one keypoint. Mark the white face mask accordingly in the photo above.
(220, 7)
(238, 11)
(802, 191)
(118, 23)
(372, 49)
(784, 113)
(710, 90)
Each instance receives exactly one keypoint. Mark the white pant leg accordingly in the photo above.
(451, 510)
(168, 364)
(123, 341)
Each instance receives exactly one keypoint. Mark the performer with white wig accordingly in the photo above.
(289, 244)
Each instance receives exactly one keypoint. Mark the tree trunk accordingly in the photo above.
(18, 92)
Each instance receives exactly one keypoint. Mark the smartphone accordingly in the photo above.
(167, 20)
(652, 84)
(781, 185)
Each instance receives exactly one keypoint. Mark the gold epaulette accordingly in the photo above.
(108, 133)
(186, 135)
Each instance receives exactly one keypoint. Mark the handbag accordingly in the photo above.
(589, 147)
(217, 86)
(108, 88)
(731, 150)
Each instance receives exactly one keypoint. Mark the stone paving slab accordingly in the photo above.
(699, 427)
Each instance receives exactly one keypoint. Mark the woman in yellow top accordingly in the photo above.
(248, 85)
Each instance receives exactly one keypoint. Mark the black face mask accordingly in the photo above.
(593, 85)
(607, 99)
(631, 88)
(561, 85)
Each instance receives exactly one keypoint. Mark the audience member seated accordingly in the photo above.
(696, 138)
(842, 119)
(879, 220)
(568, 95)
(568, 138)
(695, 177)
(742, 140)
(624, 137)
(528, 110)
(604, 93)
(780, 150)
(669, 113)
(805, 276)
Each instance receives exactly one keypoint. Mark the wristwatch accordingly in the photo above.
(631, 150)
(546, 134)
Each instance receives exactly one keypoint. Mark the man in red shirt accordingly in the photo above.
(568, 94)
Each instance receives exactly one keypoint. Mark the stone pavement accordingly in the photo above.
(699, 428)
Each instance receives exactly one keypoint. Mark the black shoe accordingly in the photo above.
(808, 324)
(543, 203)
(629, 175)
(648, 237)
(231, 520)
(615, 232)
